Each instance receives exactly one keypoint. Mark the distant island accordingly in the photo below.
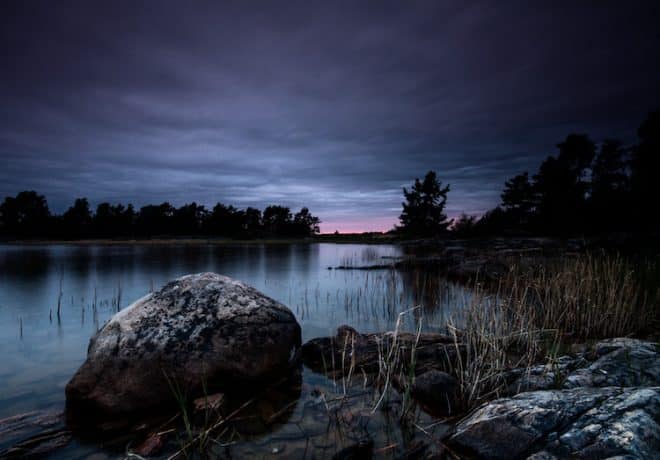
(27, 216)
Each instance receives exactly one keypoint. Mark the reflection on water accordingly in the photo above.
(40, 351)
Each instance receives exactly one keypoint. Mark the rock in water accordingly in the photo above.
(202, 328)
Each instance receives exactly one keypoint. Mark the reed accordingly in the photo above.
(59, 295)
(533, 310)
(118, 295)
(586, 297)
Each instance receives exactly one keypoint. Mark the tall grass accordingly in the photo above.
(533, 309)
(587, 297)
(517, 323)
(490, 342)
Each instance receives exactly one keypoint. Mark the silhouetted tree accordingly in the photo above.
(609, 188)
(277, 220)
(494, 222)
(465, 226)
(77, 220)
(155, 220)
(225, 221)
(305, 224)
(423, 211)
(561, 187)
(128, 221)
(110, 221)
(104, 221)
(518, 200)
(25, 216)
(188, 219)
(645, 171)
(252, 224)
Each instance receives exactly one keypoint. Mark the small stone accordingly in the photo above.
(150, 446)
(277, 449)
(211, 402)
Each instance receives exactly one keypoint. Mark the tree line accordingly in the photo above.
(27, 216)
(585, 189)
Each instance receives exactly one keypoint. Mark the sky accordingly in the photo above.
(331, 105)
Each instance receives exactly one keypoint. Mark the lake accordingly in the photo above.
(41, 351)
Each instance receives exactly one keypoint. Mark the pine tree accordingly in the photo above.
(423, 211)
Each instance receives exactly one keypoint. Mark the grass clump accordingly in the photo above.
(533, 311)
(586, 297)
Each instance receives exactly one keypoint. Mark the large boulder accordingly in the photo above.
(198, 331)
(575, 423)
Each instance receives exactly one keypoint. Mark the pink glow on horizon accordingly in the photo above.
(374, 224)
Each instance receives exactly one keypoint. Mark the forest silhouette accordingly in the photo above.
(27, 216)
(585, 189)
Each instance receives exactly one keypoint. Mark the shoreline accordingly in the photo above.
(202, 241)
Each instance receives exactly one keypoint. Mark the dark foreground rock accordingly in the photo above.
(362, 450)
(605, 403)
(199, 329)
(352, 353)
(437, 391)
(576, 423)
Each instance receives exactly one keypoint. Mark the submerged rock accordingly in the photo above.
(34, 434)
(575, 423)
(198, 329)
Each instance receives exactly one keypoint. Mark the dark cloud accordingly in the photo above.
(331, 105)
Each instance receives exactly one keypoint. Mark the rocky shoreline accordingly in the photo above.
(603, 407)
(601, 402)
(217, 340)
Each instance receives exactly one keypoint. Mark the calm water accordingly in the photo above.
(40, 353)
